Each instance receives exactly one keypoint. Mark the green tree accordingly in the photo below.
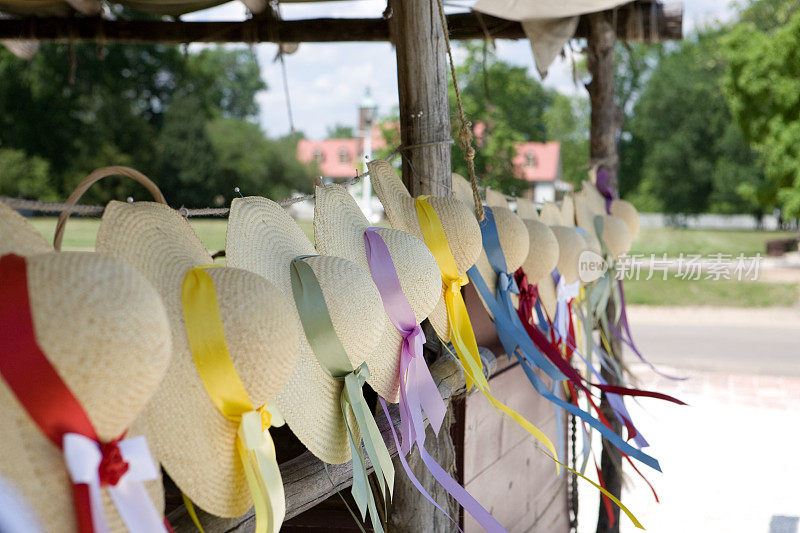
(567, 121)
(685, 152)
(508, 104)
(24, 176)
(762, 84)
(340, 131)
(255, 164)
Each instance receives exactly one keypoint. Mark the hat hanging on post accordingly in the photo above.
(84, 342)
(458, 221)
(207, 422)
(512, 233)
(322, 401)
(339, 227)
(590, 205)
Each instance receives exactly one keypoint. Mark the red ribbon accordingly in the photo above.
(38, 387)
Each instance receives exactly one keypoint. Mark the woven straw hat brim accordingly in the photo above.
(263, 238)
(458, 220)
(570, 246)
(495, 199)
(616, 235)
(104, 329)
(18, 236)
(543, 251)
(551, 215)
(526, 209)
(192, 439)
(593, 196)
(339, 227)
(568, 210)
(625, 210)
(547, 293)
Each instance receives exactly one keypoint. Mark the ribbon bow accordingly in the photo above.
(418, 391)
(318, 328)
(213, 362)
(120, 467)
(565, 293)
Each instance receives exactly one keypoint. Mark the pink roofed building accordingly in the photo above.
(338, 159)
(540, 164)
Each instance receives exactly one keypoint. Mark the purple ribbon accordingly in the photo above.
(418, 391)
(604, 187)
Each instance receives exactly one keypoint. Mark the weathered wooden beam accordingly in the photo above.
(605, 123)
(641, 21)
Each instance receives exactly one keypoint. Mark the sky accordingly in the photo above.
(328, 80)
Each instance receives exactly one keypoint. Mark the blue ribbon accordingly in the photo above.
(515, 339)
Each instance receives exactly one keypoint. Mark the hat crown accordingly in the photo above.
(165, 249)
(104, 329)
(543, 253)
(339, 227)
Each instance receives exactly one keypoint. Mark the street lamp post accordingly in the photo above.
(367, 111)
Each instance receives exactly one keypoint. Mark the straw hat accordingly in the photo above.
(547, 294)
(494, 198)
(193, 440)
(512, 233)
(339, 227)
(625, 210)
(615, 233)
(543, 245)
(526, 209)
(263, 238)
(571, 243)
(17, 235)
(458, 220)
(104, 329)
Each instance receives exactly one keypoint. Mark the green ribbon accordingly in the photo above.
(316, 321)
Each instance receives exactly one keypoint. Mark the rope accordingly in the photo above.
(60, 207)
(465, 130)
(573, 501)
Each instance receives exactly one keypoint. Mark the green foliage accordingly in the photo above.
(23, 176)
(762, 84)
(255, 164)
(154, 108)
(567, 121)
(683, 152)
(512, 107)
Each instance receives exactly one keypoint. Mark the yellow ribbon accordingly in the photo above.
(461, 333)
(254, 444)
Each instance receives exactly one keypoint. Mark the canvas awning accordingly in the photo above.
(548, 24)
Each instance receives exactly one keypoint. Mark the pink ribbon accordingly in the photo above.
(418, 391)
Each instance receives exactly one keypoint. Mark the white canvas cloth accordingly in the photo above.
(548, 24)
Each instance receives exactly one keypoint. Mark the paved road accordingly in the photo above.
(757, 341)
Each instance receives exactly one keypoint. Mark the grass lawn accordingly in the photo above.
(673, 242)
(722, 293)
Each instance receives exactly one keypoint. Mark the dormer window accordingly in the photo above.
(530, 160)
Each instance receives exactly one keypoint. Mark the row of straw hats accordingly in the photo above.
(112, 324)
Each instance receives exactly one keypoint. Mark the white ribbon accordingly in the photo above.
(564, 294)
(82, 456)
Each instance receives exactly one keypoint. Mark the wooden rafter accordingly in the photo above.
(640, 21)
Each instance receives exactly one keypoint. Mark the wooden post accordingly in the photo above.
(606, 119)
(416, 31)
(422, 67)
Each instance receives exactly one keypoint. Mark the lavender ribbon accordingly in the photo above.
(418, 391)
